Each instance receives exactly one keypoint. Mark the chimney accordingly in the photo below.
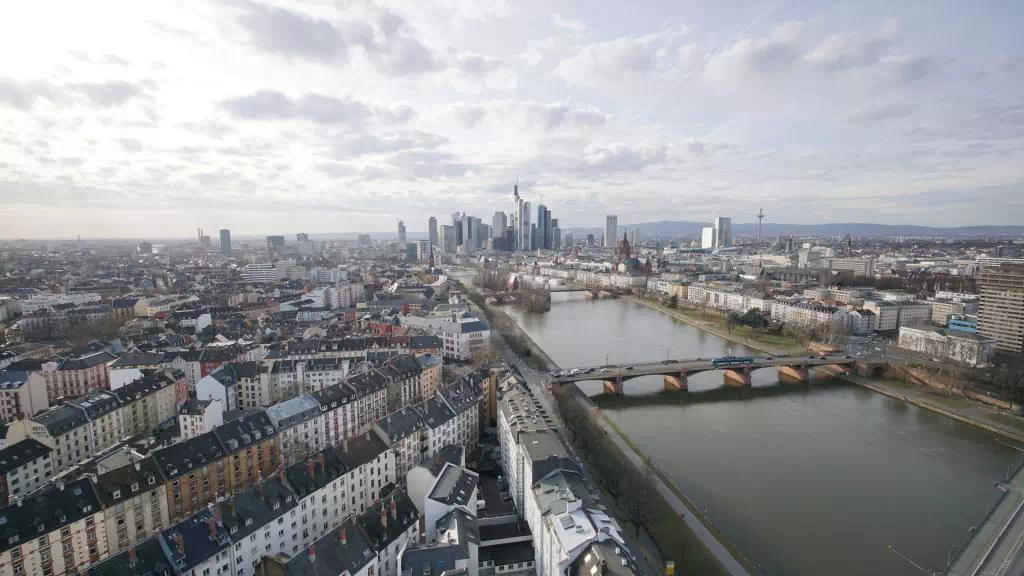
(281, 476)
(132, 559)
(211, 523)
(384, 517)
(343, 536)
(311, 552)
(309, 468)
(394, 508)
(321, 460)
(604, 568)
(138, 466)
(180, 541)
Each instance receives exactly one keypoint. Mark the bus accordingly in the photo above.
(732, 361)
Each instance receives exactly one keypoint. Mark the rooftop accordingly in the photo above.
(454, 486)
(45, 511)
(239, 434)
(21, 453)
(189, 455)
(125, 482)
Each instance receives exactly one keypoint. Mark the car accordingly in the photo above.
(668, 361)
(848, 357)
(605, 370)
(812, 357)
(769, 358)
(935, 360)
(629, 367)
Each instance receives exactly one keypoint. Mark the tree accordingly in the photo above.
(673, 302)
(639, 508)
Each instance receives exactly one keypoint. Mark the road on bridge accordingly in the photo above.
(629, 371)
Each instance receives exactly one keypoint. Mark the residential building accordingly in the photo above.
(22, 394)
(391, 525)
(431, 369)
(199, 417)
(886, 314)
(370, 469)
(70, 377)
(404, 432)
(464, 398)
(150, 401)
(224, 384)
(519, 412)
(462, 337)
(252, 449)
(1001, 308)
(129, 366)
(863, 267)
(371, 391)
(344, 550)
(45, 301)
(59, 530)
(65, 428)
(259, 523)
(300, 426)
(454, 487)
(405, 380)
(24, 468)
(339, 406)
(914, 313)
(194, 471)
(134, 499)
(199, 546)
(440, 425)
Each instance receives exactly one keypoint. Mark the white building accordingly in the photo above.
(199, 417)
(963, 347)
(707, 237)
(24, 467)
(45, 301)
(886, 314)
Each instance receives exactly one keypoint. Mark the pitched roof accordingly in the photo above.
(46, 511)
(21, 453)
(329, 555)
(189, 455)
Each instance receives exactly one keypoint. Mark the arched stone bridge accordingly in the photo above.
(677, 372)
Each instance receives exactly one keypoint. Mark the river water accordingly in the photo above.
(805, 480)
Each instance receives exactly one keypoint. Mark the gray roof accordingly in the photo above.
(144, 474)
(241, 433)
(361, 449)
(401, 423)
(474, 326)
(149, 560)
(336, 395)
(189, 455)
(152, 381)
(400, 514)
(133, 359)
(46, 511)
(21, 453)
(435, 559)
(607, 554)
(314, 473)
(454, 486)
(507, 554)
(462, 395)
(10, 379)
(436, 412)
(261, 504)
(294, 411)
(97, 403)
(61, 419)
(195, 533)
(330, 555)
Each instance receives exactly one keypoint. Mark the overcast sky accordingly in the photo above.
(150, 119)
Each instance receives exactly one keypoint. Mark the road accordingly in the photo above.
(997, 548)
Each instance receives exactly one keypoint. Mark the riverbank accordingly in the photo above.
(767, 343)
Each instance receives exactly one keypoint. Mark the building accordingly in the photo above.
(70, 377)
(194, 471)
(611, 231)
(707, 237)
(300, 427)
(723, 232)
(22, 394)
(24, 468)
(963, 347)
(432, 237)
(390, 526)
(275, 243)
(134, 499)
(149, 402)
(200, 545)
(259, 522)
(225, 382)
(252, 450)
(914, 313)
(863, 267)
(199, 417)
(225, 242)
(59, 530)
(543, 222)
(259, 273)
(401, 233)
(886, 314)
(1001, 307)
(344, 550)
(519, 412)
(404, 432)
(462, 337)
(464, 398)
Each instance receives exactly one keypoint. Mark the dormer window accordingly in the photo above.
(116, 494)
(135, 486)
(248, 521)
(152, 480)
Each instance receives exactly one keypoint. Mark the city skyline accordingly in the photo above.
(151, 121)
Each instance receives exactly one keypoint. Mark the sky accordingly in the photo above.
(151, 119)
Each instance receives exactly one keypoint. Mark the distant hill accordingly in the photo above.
(691, 229)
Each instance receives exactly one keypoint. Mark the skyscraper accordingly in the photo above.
(524, 227)
(723, 232)
(556, 235)
(401, 233)
(432, 231)
(225, 242)
(1001, 308)
(707, 237)
(632, 237)
(611, 231)
(301, 237)
(548, 230)
(542, 227)
(498, 224)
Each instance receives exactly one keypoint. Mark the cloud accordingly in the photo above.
(551, 116)
(24, 95)
(130, 144)
(107, 94)
(315, 108)
(336, 169)
(881, 112)
(568, 24)
(844, 52)
(471, 115)
(293, 34)
(364, 144)
(622, 157)
(622, 57)
(477, 65)
(749, 57)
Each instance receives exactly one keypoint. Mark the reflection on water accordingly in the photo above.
(806, 479)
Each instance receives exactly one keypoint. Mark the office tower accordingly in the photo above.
(533, 236)
(225, 242)
(549, 227)
(432, 231)
(364, 239)
(410, 251)
(478, 235)
(498, 223)
(509, 243)
(401, 233)
(723, 232)
(632, 237)
(301, 237)
(422, 250)
(486, 233)
(611, 231)
(590, 239)
(145, 248)
(524, 227)
(568, 240)
(542, 227)
(707, 237)
(1001, 308)
(448, 240)
(275, 243)
(556, 235)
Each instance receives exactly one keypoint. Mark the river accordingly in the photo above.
(805, 480)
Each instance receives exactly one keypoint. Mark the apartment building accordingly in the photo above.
(1001, 307)
(886, 314)
(371, 397)
(22, 394)
(391, 525)
(338, 405)
(71, 377)
(464, 397)
(300, 426)
(252, 450)
(226, 382)
(405, 380)
(943, 309)
(194, 471)
(519, 412)
(404, 432)
(441, 425)
(260, 522)
(58, 531)
(199, 417)
(24, 468)
(134, 499)
(150, 401)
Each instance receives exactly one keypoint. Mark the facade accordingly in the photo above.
(199, 417)
(225, 384)
(150, 401)
(194, 471)
(864, 267)
(914, 313)
(338, 405)
(134, 499)
(404, 432)
(225, 242)
(251, 449)
(886, 314)
(1001, 308)
(300, 426)
(723, 232)
(67, 378)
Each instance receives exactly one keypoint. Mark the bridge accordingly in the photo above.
(677, 372)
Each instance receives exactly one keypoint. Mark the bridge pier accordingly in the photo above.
(673, 383)
(613, 386)
(796, 374)
(737, 377)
